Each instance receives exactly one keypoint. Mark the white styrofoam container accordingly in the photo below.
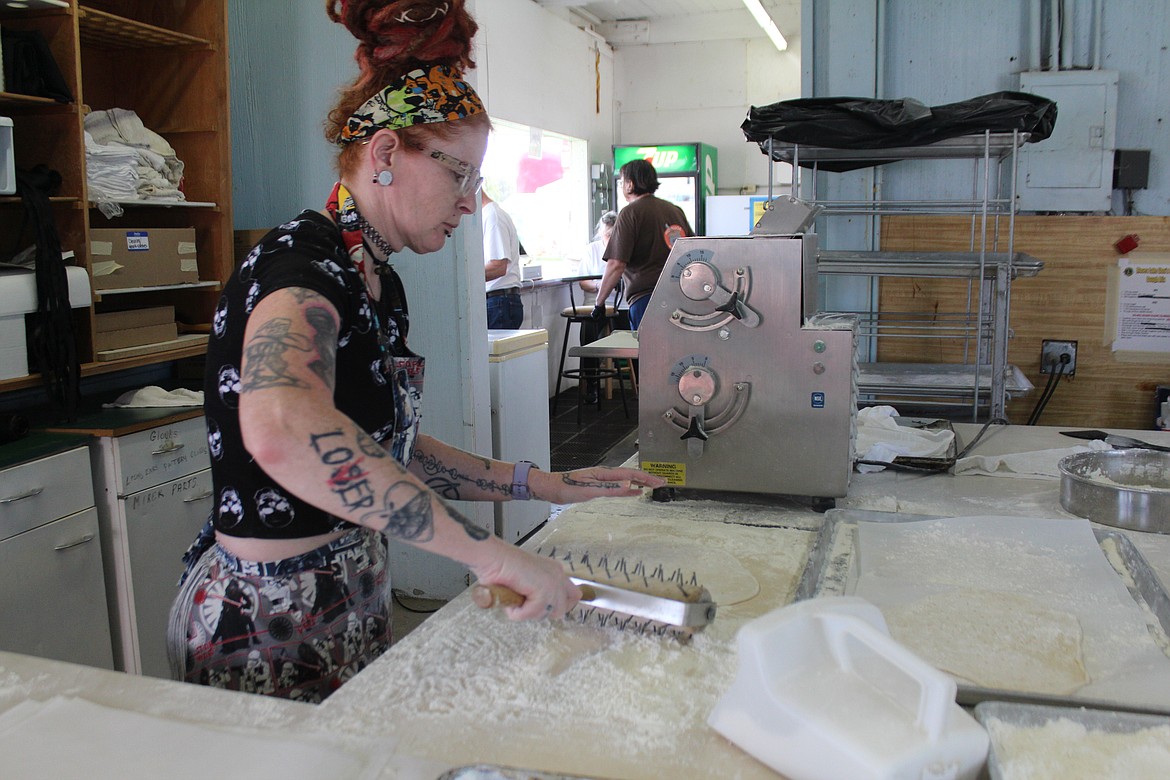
(7, 158)
(823, 692)
(18, 297)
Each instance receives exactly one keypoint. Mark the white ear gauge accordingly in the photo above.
(384, 178)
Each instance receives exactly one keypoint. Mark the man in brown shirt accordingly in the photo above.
(645, 230)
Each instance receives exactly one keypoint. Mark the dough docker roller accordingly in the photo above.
(623, 597)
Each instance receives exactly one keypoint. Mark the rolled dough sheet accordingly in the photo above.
(672, 535)
(1036, 595)
(994, 640)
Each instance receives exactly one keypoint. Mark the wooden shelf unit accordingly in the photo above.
(168, 63)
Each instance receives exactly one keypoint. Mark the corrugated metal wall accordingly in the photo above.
(941, 51)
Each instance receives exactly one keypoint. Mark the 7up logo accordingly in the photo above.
(667, 158)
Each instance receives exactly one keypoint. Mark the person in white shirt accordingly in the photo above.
(501, 266)
(593, 264)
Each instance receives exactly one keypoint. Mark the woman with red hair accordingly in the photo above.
(313, 396)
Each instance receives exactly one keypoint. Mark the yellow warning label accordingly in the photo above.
(675, 474)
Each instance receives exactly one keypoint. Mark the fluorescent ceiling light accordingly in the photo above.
(766, 22)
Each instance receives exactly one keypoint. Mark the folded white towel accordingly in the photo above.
(881, 438)
(152, 395)
(1037, 464)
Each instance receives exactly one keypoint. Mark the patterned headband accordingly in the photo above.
(419, 97)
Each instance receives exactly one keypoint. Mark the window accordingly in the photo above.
(541, 179)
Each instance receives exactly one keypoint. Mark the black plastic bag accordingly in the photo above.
(29, 67)
(865, 123)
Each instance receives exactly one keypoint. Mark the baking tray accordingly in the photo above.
(830, 572)
(1036, 716)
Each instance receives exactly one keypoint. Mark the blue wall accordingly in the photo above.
(940, 51)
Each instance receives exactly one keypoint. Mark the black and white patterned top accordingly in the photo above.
(379, 386)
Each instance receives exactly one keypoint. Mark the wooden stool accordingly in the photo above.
(580, 315)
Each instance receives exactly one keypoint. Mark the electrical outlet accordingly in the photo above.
(1050, 356)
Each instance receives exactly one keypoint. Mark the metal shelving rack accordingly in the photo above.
(984, 380)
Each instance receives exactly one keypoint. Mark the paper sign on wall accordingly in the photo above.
(1143, 304)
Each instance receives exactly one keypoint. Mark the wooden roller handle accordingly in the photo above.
(487, 596)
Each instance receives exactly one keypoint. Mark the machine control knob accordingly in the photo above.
(696, 385)
(700, 281)
(818, 368)
(819, 346)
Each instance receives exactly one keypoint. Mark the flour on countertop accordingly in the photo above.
(470, 686)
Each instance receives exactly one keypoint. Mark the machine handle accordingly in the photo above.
(199, 497)
(22, 496)
(732, 306)
(695, 429)
(81, 541)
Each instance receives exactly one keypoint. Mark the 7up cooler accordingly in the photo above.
(687, 174)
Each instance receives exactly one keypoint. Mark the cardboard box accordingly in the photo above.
(133, 318)
(144, 257)
(134, 327)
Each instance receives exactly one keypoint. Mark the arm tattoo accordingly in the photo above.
(446, 480)
(408, 515)
(303, 294)
(325, 337)
(473, 530)
(265, 356)
(348, 479)
(369, 446)
(568, 480)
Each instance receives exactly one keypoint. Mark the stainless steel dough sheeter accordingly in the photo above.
(743, 385)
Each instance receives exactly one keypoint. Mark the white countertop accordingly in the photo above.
(470, 686)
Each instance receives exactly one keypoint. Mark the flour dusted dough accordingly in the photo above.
(724, 577)
(994, 640)
(1061, 748)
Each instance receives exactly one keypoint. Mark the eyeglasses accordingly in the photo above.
(469, 179)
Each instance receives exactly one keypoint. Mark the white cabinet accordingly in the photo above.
(518, 369)
(157, 525)
(52, 596)
(152, 477)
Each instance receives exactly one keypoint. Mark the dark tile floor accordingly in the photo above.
(602, 427)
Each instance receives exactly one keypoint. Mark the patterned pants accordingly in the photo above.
(296, 628)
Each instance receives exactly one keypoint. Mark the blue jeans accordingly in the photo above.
(638, 310)
(505, 312)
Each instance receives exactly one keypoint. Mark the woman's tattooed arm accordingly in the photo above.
(458, 475)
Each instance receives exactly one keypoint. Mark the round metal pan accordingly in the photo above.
(1122, 488)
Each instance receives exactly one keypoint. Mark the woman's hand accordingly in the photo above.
(542, 582)
(569, 487)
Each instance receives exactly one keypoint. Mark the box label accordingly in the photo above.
(138, 241)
